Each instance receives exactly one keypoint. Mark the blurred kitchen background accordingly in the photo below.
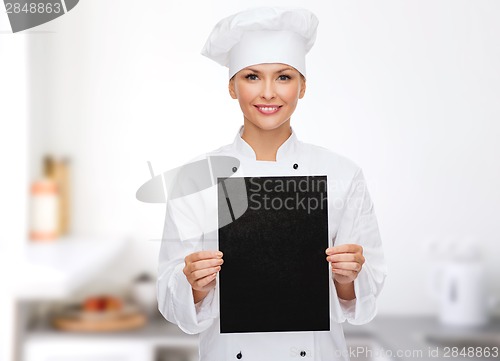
(408, 90)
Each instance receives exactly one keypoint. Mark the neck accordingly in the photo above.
(265, 142)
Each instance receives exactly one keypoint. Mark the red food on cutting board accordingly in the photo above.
(102, 303)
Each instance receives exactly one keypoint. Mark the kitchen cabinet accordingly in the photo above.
(87, 350)
(159, 340)
(385, 338)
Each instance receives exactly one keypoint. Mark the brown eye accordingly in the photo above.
(251, 76)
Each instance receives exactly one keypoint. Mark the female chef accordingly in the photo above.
(264, 49)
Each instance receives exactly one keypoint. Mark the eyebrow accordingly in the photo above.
(279, 71)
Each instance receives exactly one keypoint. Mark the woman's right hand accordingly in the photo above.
(201, 269)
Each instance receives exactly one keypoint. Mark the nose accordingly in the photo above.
(268, 90)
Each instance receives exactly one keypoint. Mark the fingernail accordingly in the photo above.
(219, 254)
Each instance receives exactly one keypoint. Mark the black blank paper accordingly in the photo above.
(275, 276)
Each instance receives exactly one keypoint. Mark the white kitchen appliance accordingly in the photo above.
(459, 284)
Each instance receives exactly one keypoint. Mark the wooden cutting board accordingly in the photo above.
(119, 322)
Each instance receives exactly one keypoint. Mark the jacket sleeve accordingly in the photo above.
(182, 235)
(358, 225)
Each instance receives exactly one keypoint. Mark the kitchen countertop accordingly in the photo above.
(156, 331)
(402, 337)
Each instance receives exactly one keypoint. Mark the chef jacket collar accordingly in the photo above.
(285, 151)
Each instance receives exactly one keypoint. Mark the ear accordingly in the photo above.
(231, 88)
(302, 87)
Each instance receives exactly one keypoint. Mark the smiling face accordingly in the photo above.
(267, 93)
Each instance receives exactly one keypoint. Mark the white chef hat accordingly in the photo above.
(263, 35)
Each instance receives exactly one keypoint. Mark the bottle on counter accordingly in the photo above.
(50, 216)
(44, 217)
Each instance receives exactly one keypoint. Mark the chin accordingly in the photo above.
(268, 125)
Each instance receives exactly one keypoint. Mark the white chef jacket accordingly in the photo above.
(190, 226)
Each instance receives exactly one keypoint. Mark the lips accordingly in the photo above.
(267, 109)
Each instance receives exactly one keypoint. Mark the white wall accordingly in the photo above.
(407, 89)
(14, 174)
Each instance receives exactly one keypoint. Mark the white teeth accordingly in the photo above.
(267, 109)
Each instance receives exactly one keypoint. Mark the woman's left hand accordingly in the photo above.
(346, 260)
